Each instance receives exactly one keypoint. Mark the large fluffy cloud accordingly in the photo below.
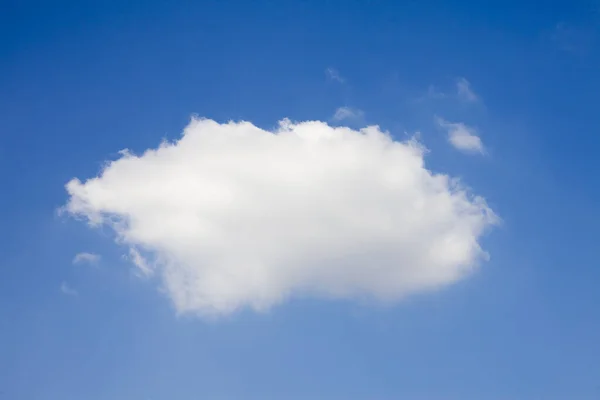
(233, 216)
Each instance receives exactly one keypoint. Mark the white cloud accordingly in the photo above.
(68, 290)
(90, 258)
(348, 113)
(232, 216)
(433, 93)
(140, 262)
(334, 75)
(462, 137)
(464, 91)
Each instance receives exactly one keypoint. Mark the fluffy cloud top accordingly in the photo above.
(233, 216)
(462, 137)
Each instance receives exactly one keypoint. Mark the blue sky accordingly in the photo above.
(79, 82)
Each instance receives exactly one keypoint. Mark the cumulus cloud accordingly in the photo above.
(464, 91)
(232, 216)
(334, 75)
(348, 113)
(89, 258)
(67, 290)
(462, 137)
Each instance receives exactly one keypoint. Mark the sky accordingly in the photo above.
(299, 200)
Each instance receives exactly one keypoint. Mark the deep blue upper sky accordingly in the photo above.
(81, 80)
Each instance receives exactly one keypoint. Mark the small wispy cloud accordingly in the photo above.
(433, 93)
(334, 75)
(67, 290)
(573, 39)
(464, 91)
(462, 137)
(139, 261)
(348, 113)
(88, 258)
